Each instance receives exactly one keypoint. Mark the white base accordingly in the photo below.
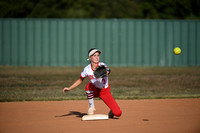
(95, 117)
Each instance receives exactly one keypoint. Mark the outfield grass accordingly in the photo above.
(46, 83)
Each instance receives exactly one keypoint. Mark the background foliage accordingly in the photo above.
(147, 9)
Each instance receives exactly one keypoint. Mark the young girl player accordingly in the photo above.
(98, 87)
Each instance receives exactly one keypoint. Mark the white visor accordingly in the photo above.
(93, 52)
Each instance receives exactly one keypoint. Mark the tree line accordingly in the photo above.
(142, 9)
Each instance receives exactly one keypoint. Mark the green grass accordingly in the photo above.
(46, 83)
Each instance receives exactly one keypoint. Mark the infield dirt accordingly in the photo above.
(139, 116)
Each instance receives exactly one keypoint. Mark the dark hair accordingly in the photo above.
(90, 50)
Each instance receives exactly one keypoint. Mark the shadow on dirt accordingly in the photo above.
(76, 113)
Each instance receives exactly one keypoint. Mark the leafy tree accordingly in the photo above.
(148, 9)
(171, 9)
(16, 8)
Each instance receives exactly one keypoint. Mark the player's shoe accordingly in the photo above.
(91, 111)
(110, 114)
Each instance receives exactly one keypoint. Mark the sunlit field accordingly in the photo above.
(46, 83)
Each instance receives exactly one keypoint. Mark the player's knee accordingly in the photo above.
(118, 113)
(88, 87)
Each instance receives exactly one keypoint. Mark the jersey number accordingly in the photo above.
(104, 81)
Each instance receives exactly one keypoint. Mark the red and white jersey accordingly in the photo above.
(97, 82)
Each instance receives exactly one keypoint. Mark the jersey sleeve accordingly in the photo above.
(84, 73)
(101, 63)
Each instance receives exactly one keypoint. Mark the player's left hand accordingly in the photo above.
(100, 72)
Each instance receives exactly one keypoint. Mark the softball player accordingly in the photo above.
(98, 87)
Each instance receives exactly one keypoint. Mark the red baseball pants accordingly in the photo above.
(106, 96)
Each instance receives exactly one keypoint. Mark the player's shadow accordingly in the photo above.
(76, 113)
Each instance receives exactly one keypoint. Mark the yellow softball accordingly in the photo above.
(177, 50)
